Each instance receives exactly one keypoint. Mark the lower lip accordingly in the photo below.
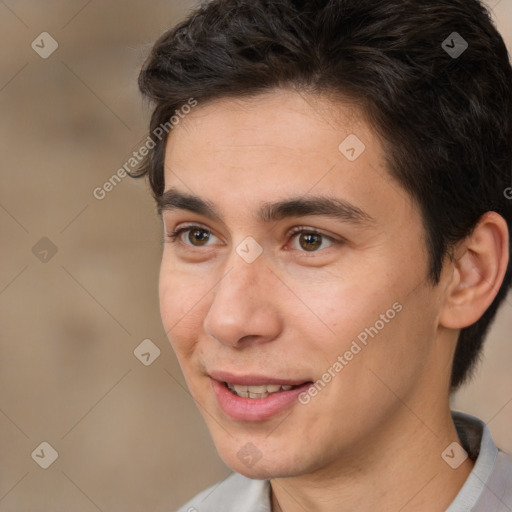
(255, 409)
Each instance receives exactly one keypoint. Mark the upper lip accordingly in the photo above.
(254, 379)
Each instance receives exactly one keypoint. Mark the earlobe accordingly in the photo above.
(479, 267)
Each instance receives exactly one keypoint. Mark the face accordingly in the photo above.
(301, 263)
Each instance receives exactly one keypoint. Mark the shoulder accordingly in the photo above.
(498, 489)
(233, 494)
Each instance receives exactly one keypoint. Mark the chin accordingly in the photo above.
(253, 463)
(261, 471)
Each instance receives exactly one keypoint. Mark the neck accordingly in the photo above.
(400, 468)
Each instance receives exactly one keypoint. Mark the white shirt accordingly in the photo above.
(488, 487)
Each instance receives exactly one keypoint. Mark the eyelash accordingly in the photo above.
(173, 237)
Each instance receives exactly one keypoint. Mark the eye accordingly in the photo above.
(303, 239)
(310, 240)
(196, 236)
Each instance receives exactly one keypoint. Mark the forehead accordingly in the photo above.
(278, 145)
(291, 120)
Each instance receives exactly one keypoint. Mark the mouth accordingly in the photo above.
(257, 392)
(256, 398)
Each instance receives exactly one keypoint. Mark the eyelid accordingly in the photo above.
(306, 229)
(190, 225)
(295, 230)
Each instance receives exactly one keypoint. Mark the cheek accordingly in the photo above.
(183, 302)
(395, 354)
(371, 322)
(344, 306)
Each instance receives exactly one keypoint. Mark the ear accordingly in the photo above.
(479, 266)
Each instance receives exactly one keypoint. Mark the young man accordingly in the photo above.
(332, 177)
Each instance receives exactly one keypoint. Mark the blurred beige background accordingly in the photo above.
(78, 276)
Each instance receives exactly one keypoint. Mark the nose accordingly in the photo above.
(245, 305)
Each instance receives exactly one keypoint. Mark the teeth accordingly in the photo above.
(257, 391)
(258, 395)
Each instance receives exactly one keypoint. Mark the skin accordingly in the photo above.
(372, 438)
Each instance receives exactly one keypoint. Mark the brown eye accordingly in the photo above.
(195, 236)
(198, 237)
(310, 241)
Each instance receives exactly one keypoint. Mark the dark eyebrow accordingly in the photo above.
(173, 199)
